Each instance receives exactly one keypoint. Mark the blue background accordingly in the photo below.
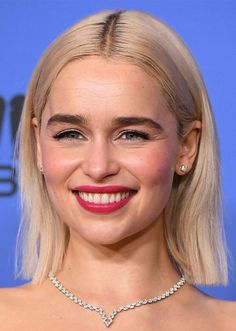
(209, 29)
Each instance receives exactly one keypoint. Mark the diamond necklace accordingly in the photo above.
(108, 319)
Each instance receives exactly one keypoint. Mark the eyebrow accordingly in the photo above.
(65, 118)
(119, 121)
(123, 121)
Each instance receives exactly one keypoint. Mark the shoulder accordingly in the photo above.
(221, 313)
(16, 306)
(11, 298)
(25, 295)
(8, 307)
(225, 314)
(7, 295)
(226, 310)
(10, 295)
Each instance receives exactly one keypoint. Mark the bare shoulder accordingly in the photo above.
(203, 312)
(15, 304)
(222, 313)
(7, 294)
(225, 312)
(12, 297)
(225, 309)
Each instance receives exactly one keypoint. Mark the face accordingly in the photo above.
(108, 146)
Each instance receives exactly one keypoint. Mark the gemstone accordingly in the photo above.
(107, 321)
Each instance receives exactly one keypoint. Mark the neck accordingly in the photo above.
(135, 268)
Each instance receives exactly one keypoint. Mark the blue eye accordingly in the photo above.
(134, 135)
(69, 135)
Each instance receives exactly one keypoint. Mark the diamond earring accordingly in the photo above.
(41, 169)
(183, 168)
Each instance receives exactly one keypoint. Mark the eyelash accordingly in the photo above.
(67, 134)
(137, 135)
(75, 134)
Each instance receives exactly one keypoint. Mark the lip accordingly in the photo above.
(102, 208)
(102, 189)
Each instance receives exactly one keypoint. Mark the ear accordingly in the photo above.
(35, 124)
(188, 148)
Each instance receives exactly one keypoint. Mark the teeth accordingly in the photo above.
(90, 198)
(112, 198)
(97, 199)
(123, 195)
(103, 198)
(85, 196)
(118, 197)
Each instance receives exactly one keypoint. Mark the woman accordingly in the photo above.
(120, 185)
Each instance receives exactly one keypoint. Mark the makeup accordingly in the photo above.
(103, 199)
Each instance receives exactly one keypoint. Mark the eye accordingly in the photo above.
(69, 135)
(134, 135)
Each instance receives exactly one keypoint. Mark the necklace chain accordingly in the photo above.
(108, 319)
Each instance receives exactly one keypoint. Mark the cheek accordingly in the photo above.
(153, 166)
(58, 164)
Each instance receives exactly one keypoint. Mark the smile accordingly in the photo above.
(103, 199)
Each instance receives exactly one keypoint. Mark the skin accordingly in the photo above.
(106, 261)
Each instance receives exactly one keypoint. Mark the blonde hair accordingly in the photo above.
(193, 232)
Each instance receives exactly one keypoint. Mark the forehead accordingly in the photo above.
(96, 86)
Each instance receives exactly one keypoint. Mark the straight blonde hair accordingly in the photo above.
(193, 217)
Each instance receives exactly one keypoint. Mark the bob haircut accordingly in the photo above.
(193, 233)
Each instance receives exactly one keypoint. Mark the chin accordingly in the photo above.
(105, 237)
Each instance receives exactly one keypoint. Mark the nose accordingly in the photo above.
(99, 161)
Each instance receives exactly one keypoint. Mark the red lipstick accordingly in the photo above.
(114, 197)
(102, 189)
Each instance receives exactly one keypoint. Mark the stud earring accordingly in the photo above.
(183, 168)
(41, 169)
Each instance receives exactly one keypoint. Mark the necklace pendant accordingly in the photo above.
(107, 321)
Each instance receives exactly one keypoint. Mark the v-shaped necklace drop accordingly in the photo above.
(108, 319)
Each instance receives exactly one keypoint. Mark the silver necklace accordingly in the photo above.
(108, 319)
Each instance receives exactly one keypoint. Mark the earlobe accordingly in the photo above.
(188, 148)
(35, 125)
